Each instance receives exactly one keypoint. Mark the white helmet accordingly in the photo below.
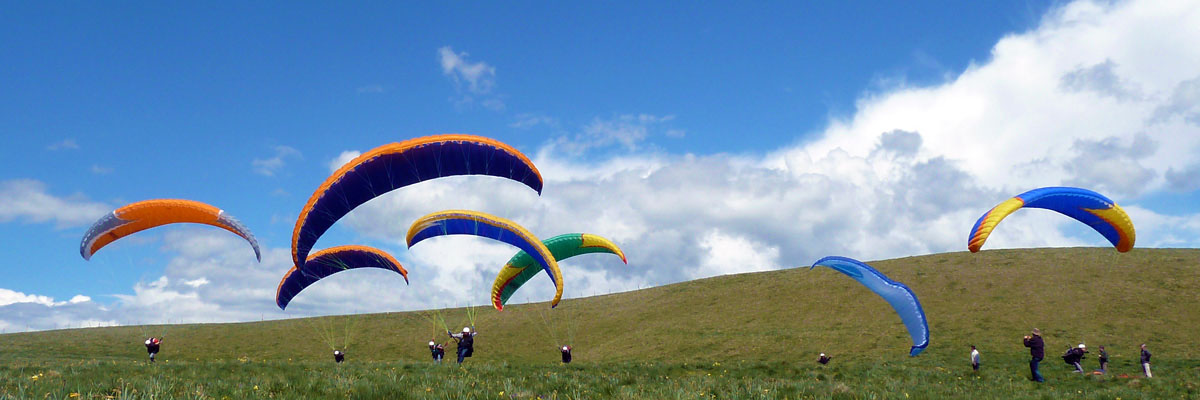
(565, 348)
(431, 343)
(335, 352)
(822, 354)
(147, 342)
(466, 330)
(1082, 346)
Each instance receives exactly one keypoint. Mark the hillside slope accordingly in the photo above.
(989, 299)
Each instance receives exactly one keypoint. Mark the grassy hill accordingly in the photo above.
(776, 320)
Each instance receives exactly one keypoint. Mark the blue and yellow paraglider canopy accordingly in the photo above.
(1086, 206)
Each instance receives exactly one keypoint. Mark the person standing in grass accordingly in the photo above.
(974, 359)
(152, 347)
(339, 356)
(437, 350)
(1146, 361)
(1103, 360)
(566, 354)
(1037, 351)
(824, 359)
(466, 342)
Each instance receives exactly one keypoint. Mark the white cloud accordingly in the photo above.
(27, 199)
(269, 166)
(478, 77)
(472, 81)
(101, 170)
(65, 144)
(626, 130)
(196, 282)
(342, 159)
(8, 297)
(529, 120)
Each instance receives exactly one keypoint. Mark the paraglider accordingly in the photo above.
(1086, 206)
(152, 346)
(466, 342)
(518, 269)
(142, 215)
(464, 222)
(331, 261)
(397, 165)
(902, 299)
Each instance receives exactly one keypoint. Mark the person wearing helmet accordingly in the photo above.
(339, 356)
(824, 359)
(437, 350)
(1074, 356)
(566, 354)
(152, 347)
(466, 342)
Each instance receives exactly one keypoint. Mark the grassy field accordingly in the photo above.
(740, 336)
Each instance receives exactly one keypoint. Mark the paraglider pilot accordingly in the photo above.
(1074, 357)
(339, 356)
(1037, 351)
(466, 342)
(824, 359)
(437, 350)
(152, 347)
(566, 354)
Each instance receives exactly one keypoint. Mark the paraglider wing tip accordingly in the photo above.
(916, 350)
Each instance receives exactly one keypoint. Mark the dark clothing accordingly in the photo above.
(339, 357)
(466, 344)
(1037, 351)
(437, 351)
(1037, 347)
(566, 356)
(1145, 356)
(152, 349)
(1033, 370)
(1103, 357)
(1073, 356)
(824, 360)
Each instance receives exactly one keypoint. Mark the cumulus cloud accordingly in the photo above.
(1184, 179)
(269, 166)
(472, 80)
(1109, 166)
(29, 200)
(1101, 78)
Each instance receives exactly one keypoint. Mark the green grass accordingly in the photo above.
(739, 336)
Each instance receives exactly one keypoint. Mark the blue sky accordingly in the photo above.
(245, 106)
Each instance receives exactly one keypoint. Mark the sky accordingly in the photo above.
(712, 139)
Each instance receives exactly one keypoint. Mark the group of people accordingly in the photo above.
(1037, 352)
(1073, 356)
